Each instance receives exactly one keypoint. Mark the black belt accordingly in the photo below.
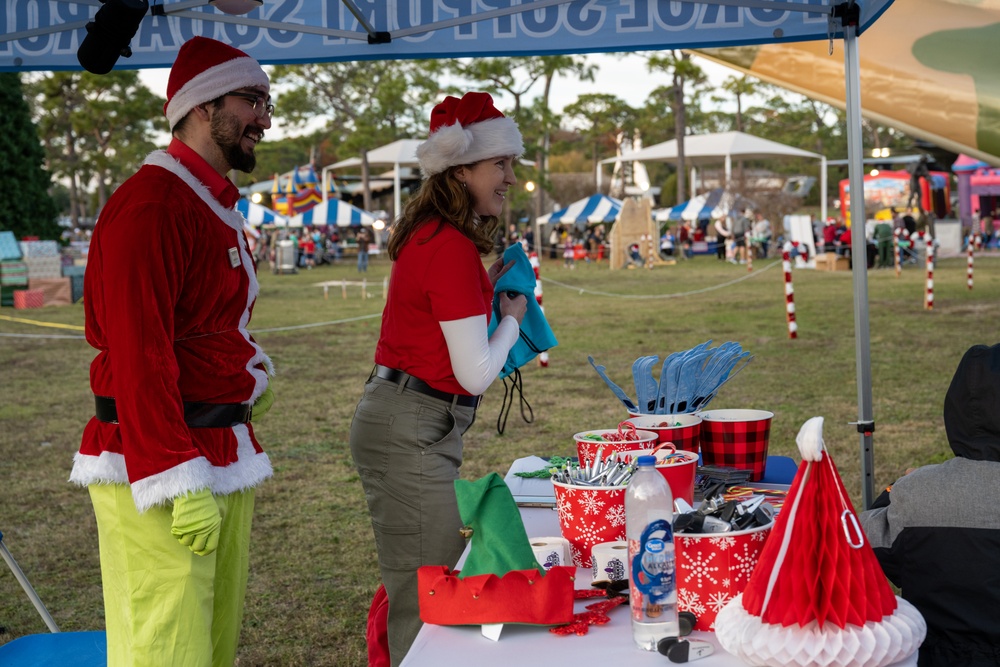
(418, 385)
(196, 415)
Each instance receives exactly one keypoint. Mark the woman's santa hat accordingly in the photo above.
(206, 69)
(467, 130)
(817, 595)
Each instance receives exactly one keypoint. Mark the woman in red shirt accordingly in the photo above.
(433, 357)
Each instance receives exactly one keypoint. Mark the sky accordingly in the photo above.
(625, 76)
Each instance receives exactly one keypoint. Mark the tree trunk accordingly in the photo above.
(365, 188)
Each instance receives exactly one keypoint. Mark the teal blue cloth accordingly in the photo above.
(536, 334)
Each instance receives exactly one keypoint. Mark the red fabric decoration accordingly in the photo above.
(377, 632)
(822, 577)
(472, 108)
(520, 596)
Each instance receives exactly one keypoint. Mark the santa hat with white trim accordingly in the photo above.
(467, 130)
(206, 69)
(817, 595)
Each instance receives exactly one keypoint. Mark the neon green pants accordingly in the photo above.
(164, 605)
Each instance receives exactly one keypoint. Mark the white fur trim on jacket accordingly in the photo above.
(454, 145)
(234, 219)
(215, 82)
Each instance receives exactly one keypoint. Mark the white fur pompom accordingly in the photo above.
(810, 439)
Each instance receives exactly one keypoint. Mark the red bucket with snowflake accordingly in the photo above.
(589, 515)
(682, 431)
(713, 568)
(610, 441)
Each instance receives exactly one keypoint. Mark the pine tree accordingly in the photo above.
(26, 208)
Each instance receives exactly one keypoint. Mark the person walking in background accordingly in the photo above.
(554, 243)
(569, 257)
(170, 459)
(883, 240)
(722, 235)
(433, 357)
(363, 242)
(936, 531)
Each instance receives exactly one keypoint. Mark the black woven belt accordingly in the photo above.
(418, 385)
(196, 415)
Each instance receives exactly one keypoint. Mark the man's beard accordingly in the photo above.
(227, 133)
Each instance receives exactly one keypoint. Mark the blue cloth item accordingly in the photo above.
(536, 334)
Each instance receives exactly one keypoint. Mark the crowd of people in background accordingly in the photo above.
(314, 246)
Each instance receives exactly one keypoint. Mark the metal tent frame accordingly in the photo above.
(46, 35)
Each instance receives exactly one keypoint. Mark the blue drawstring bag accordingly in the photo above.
(535, 334)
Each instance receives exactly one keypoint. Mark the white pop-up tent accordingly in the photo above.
(400, 153)
(703, 149)
(46, 35)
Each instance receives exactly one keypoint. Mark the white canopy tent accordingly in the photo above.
(401, 153)
(47, 34)
(702, 149)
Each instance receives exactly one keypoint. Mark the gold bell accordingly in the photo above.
(466, 532)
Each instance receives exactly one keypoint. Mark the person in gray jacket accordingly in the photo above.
(936, 531)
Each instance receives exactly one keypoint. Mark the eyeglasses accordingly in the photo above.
(261, 106)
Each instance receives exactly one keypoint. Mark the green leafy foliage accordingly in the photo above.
(25, 205)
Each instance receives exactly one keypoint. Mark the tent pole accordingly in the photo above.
(859, 256)
(397, 197)
(822, 190)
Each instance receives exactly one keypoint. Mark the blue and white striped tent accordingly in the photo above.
(258, 215)
(714, 203)
(589, 211)
(333, 212)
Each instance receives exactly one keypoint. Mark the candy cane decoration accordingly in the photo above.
(929, 245)
(971, 247)
(543, 357)
(749, 253)
(895, 248)
(786, 264)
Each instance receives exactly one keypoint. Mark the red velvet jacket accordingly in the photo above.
(169, 290)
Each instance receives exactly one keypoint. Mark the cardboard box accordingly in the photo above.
(830, 262)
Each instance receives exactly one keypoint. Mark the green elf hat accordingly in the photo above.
(499, 541)
(501, 580)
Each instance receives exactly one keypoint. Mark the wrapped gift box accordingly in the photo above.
(55, 291)
(9, 249)
(28, 298)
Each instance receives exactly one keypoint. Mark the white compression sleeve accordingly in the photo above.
(475, 360)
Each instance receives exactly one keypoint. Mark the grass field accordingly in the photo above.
(313, 566)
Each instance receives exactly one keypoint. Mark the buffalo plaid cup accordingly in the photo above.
(736, 439)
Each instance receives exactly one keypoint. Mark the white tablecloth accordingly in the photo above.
(534, 646)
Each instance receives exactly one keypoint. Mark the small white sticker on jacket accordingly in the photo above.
(234, 257)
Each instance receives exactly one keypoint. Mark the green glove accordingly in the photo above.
(263, 404)
(197, 522)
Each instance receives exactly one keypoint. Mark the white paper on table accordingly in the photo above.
(530, 491)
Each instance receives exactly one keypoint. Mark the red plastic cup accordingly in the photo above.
(736, 439)
(683, 431)
(586, 449)
(679, 475)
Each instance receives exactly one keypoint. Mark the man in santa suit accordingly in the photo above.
(170, 458)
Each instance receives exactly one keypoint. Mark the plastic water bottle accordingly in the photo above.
(652, 577)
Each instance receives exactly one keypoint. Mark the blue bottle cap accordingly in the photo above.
(646, 461)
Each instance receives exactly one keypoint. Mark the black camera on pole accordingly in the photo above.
(109, 34)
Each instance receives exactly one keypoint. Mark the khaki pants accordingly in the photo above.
(164, 605)
(408, 450)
